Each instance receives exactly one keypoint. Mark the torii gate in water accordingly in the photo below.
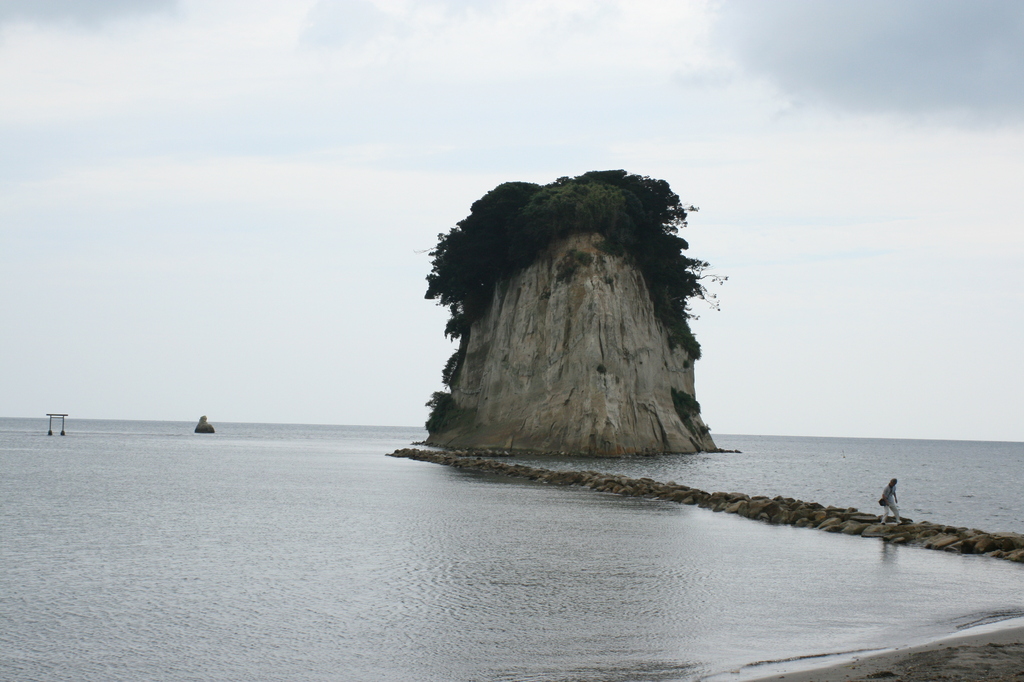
(51, 416)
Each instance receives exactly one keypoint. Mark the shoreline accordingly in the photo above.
(986, 653)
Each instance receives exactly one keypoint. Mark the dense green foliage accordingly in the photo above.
(687, 408)
(686, 405)
(443, 411)
(510, 225)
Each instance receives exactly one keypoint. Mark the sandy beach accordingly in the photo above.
(983, 654)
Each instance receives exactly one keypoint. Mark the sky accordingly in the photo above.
(224, 207)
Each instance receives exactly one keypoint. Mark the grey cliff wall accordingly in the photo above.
(570, 357)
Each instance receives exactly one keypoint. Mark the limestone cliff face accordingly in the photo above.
(570, 357)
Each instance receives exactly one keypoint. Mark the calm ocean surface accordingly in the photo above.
(142, 551)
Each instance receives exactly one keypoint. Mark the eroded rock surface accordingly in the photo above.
(204, 426)
(570, 357)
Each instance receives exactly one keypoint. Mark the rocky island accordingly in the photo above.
(570, 302)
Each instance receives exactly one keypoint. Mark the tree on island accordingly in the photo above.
(637, 218)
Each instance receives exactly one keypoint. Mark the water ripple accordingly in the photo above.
(301, 553)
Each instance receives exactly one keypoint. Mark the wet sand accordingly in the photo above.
(984, 654)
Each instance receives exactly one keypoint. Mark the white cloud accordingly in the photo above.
(344, 22)
(510, 41)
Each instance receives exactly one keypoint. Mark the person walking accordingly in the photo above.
(889, 501)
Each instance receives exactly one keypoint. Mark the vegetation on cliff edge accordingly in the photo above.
(687, 408)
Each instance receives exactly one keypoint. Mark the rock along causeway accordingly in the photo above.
(777, 510)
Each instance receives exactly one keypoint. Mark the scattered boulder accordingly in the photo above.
(1008, 542)
(830, 522)
(877, 530)
(204, 426)
(940, 541)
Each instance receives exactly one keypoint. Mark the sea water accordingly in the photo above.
(139, 550)
(959, 483)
